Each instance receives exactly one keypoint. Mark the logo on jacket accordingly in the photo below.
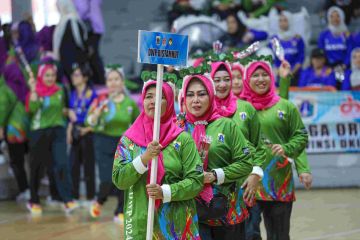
(246, 150)
(177, 146)
(243, 116)
(281, 114)
(221, 137)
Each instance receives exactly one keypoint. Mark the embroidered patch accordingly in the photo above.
(281, 114)
(199, 168)
(246, 150)
(221, 137)
(243, 116)
(177, 146)
(131, 146)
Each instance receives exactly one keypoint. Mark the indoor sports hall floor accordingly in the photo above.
(317, 214)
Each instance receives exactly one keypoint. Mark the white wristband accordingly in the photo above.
(139, 166)
(220, 175)
(166, 193)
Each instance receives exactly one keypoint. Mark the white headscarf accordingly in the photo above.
(355, 70)
(68, 12)
(342, 27)
(285, 35)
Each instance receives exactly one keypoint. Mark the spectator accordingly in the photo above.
(23, 38)
(90, 13)
(356, 39)
(44, 38)
(318, 74)
(238, 35)
(350, 7)
(292, 43)
(352, 76)
(69, 42)
(335, 40)
(257, 8)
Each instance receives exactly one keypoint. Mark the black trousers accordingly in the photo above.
(82, 153)
(224, 232)
(276, 219)
(105, 147)
(17, 153)
(45, 143)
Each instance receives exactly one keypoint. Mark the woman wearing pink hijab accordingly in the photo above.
(45, 106)
(237, 71)
(285, 135)
(179, 178)
(226, 160)
(244, 115)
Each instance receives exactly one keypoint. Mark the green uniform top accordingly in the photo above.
(248, 6)
(229, 155)
(301, 162)
(176, 217)
(48, 111)
(281, 124)
(13, 116)
(115, 118)
(246, 118)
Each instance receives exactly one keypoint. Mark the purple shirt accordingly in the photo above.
(91, 10)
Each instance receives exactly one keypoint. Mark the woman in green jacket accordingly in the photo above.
(179, 178)
(284, 133)
(46, 107)
(110, 115)
(226, 160)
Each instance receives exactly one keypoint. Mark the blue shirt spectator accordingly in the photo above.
(352, 76)
(293, 44)
(336, 39)
(318, 74)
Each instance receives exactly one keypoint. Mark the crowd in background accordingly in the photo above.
(335, 61)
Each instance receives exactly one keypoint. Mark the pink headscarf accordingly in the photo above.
(241, 69)
(141, 131)
(260, 102)
(201, 122)
(41, 88)
(227, 106)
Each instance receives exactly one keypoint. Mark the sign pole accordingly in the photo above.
(156, 134)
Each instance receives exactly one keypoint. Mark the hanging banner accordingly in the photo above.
(332, 120)
(162, 48)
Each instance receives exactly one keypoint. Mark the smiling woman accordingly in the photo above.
(226, 160)
(286, 137)
(179, 176)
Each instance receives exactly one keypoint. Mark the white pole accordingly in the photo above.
(154, 164)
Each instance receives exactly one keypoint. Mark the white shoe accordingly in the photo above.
(71, 206)
(119, 219)
(52, 203)
(23, 196)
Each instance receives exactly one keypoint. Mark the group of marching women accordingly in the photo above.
(63, 131)
(226, 158)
